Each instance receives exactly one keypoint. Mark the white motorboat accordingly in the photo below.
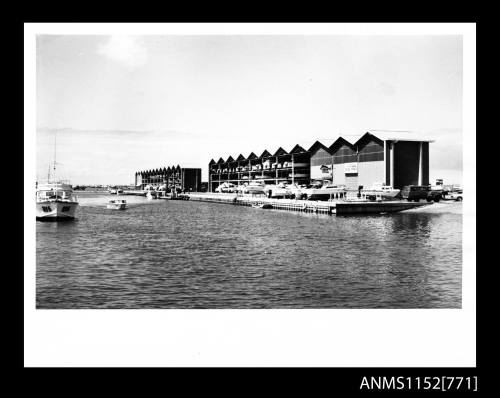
(382, 190)
(118, 204)
(283, 190)
(262, 205)
(324, 192)
(226, 187)
(255, 187)
(55, 201)
(54, 198)
(113, 190)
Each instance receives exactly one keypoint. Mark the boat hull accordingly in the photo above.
(117, 206)
(280, 193)
(385, 194)
(56, 210)
(324, 194)
(254, 190)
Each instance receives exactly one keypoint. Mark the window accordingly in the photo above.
(65, 208)
(46, 209)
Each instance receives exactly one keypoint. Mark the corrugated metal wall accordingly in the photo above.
(320, 158)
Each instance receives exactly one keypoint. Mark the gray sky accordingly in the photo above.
(120, 104)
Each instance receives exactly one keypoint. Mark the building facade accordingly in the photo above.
(373, 159)
(282, 166)
(188, 179)
(379, 158)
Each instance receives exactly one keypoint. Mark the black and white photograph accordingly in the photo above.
(219, 169)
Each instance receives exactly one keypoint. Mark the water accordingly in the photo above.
(182, 254)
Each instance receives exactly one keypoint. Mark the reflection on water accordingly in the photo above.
(181, 254)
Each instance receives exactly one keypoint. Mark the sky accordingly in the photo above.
(119, 104)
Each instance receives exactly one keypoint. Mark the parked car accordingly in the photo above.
(417, 192)
(457, 196)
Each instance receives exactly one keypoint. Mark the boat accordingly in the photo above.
(149, 196)
(295, 190)
(226, 187)
(283, 190)
(55, 201)
(262, 205)
(381, 190)
(117, 204)
(115, 190)
(316, 191)
(255, 187)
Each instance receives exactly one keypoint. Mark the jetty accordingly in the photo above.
(338, 207)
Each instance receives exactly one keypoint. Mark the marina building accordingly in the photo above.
(281, 166)
(374, 157)
(188, 179)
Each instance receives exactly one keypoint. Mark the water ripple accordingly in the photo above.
(177, 254)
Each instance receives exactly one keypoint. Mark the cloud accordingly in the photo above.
(71, 132)
(125, 50)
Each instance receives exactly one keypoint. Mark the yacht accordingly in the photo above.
(54, 198)
(55, 201)
(117, 204)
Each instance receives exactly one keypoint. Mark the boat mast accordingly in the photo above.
(55, 140)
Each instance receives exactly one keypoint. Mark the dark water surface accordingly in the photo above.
(181, 254)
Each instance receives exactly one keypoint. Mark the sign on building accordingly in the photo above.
(351, 168)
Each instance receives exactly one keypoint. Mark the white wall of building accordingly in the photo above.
(368, 173)
(339, 174)
(371, 172)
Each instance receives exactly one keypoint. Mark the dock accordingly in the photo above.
(134, 192)
(339, 207)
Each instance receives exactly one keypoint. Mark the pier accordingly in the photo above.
(339, 207)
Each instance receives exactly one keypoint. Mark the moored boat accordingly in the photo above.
(54, 198)
(254, 187)
(324, 192)
(262, 205)
(55, 201)
(284, 190)
(118, 204)
(226, 187)
(383, 191)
